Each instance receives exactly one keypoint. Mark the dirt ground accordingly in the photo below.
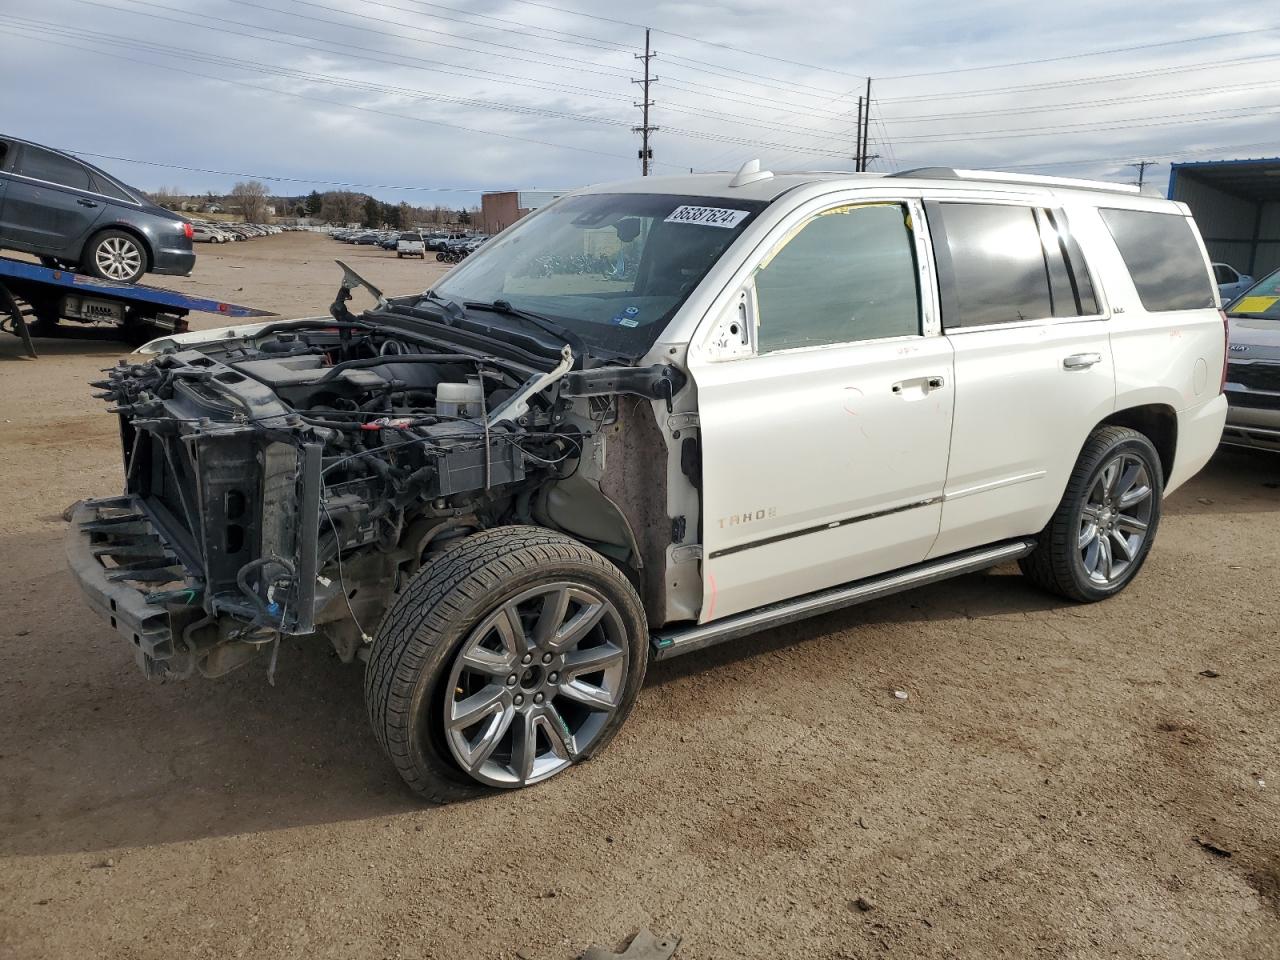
(1063, 781)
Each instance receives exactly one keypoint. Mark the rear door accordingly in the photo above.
(50, 205)
(825, 424)
(1033, 363)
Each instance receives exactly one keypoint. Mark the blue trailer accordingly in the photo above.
(37, 297)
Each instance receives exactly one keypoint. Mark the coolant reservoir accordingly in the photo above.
(464, 400)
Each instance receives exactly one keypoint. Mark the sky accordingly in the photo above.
(434, 102)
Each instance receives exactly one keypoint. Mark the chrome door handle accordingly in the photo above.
(932, 383)
(1081, 361)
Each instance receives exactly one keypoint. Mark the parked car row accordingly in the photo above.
(216, 231)
(449, 247)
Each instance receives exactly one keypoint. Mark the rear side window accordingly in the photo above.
(1163, 258)
(846, 275)
(108, 189)
(1003, 263)
(52, 168)
(1224, 274)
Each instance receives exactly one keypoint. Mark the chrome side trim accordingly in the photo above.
(671, 643)
(820, 527)
(993, 485)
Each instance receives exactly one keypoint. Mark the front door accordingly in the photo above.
(825, 439)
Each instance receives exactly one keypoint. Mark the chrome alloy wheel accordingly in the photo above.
(1115, 519)
(534, 684)
(118, 258)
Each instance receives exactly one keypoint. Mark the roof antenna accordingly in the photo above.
(750, 172)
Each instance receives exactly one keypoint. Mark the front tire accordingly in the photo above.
(115, 255)
(1102, 531)
(508, 658)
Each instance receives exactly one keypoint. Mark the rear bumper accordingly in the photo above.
(1199, 433)
(110, 540)
(174, 262)
(1253, 420)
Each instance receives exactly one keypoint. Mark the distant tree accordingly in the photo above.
(300, 210)
(407, 215)
(341, 206)
(314, 203)
(464, 217)
(390, 215)
(372, 212)
(250, 198)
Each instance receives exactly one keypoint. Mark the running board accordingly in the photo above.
(671, 643)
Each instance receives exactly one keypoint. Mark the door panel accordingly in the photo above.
(1033, 364)
(820, 467)
(1021, 418)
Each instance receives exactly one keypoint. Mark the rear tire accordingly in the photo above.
(1102, 531)
(115, 255)
(509, 657)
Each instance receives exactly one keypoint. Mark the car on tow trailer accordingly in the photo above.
(71, 214)
(509, 494)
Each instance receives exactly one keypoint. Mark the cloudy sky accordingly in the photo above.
(431, 102)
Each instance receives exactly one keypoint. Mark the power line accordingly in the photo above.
(272, 178)
(333, 103)
(1085, 81)
(1012, 133)
(511, 79)
(1078, 56)
(754, 54)
(1111, 101)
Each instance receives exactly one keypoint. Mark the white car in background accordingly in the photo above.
(411, 245)
(1231, 282)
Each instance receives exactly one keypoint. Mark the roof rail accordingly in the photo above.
(948, 173)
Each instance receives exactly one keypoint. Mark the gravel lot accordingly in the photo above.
(1063, 781)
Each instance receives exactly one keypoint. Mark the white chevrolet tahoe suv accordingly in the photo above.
(651, 417)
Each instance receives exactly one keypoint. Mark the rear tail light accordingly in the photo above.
(1226, 349)
(186, 230)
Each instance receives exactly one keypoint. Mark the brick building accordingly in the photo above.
(500, 210)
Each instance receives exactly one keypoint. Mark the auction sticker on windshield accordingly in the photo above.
(707, 216)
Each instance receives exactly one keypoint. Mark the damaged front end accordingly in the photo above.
(288, 482)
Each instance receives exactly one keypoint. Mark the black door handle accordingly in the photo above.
(87, 203)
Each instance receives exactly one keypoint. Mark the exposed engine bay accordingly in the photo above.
(289, 482)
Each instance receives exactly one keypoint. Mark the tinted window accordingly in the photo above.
(53, 168)
(849, 274)
(1069, 283)
(108, 189)
(1163, 258)
(1224, 274)
(997, 270)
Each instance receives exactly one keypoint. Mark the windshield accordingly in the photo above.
(612, 268)
(1262, 299)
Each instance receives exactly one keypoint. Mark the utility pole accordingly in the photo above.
(857, 151)
(863, 136)
(1141, 167)
(646, 152)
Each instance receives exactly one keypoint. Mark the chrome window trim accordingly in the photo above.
(63, 186)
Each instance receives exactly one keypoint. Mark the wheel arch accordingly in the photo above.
(128, 228)
(1158, 422)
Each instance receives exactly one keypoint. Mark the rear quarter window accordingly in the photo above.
(1163, 258)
